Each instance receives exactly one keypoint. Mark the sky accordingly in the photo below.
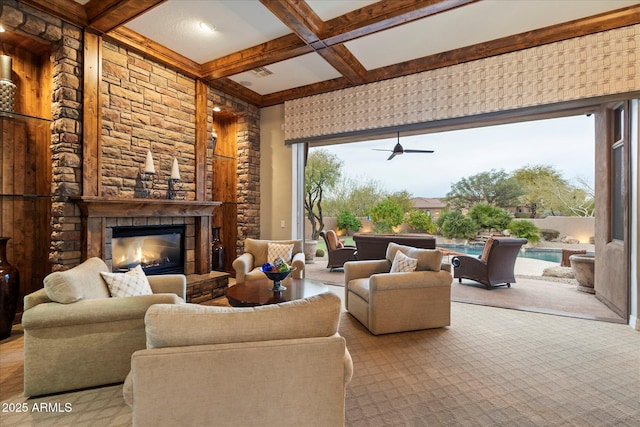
(567, 144)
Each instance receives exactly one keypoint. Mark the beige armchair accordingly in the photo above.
(275, 365)
(256, 253)
(387, 302)
(88, 342)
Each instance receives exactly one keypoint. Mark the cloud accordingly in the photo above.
(567, 144)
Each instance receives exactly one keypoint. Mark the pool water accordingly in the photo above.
(551, 255)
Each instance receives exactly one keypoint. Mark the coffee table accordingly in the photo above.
(258, 292)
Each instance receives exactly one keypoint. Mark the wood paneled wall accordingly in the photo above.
(225, 183)
(25, 159)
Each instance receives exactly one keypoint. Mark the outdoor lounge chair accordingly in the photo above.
(494, 267)
(337, 253)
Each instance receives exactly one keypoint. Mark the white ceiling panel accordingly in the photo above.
(472, 24)
(239, 25)
(300, 71)
(329, 9)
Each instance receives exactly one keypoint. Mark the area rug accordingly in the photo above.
(491, 367)
(495, 367)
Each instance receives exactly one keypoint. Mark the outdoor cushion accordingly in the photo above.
(428, 259)
(486, 249)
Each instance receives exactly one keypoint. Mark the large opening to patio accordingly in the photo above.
(564, 145)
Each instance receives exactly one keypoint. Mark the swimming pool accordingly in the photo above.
(551, 255)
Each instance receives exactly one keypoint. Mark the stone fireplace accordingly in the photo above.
(101, 217)
(109, 105)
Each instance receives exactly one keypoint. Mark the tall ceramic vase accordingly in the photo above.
(7, 87)
(217, 251)
(9, 290)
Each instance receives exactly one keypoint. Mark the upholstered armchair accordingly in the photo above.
(386, 299)
(276, 365)
(494, 267)
(257, 252)
(76, 335)
(337, 253)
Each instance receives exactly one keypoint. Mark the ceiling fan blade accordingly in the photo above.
(418, 151)
(380, 149)
(391, 156)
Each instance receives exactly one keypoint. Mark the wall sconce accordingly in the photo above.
(148, 176)
(214, 139)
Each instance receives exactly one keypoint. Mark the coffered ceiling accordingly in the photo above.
(269, 51)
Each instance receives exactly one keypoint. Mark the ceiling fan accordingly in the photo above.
(397, 150)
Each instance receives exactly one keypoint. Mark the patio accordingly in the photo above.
(531, 292)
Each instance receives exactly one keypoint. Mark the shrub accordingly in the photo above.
(385, 215)
(549, 235)
(489, 217)
(454, 224)
(420, 221)
(525, 229)
(319, 253)
(347, 221)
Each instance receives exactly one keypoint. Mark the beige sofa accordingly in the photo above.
(256, 252)
(276, 365)
(387, 302)
(89, 342)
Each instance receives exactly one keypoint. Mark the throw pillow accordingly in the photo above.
(80, 282)
(402, 263)
(132, 283)
(275, 250)
(487, 249)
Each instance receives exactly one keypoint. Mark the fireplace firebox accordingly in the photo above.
(157, 249)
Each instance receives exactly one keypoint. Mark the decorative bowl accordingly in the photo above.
(278, 277)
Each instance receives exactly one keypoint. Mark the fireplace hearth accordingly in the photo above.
(157, 249)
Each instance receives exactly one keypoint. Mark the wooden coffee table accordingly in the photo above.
(258, 292)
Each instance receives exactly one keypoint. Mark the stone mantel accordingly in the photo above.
(98, 211)
(106, 207)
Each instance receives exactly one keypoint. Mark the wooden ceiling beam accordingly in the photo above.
(345, 63)
(305, 23)
(551, 34)
(230, 87)
(328, 37)
(298, 17)
(280, 49)
(302, 91)
(106, 15)
(383, 15)
(156, 51)
(67, 10)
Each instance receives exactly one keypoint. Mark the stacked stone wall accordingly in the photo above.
(146, 106)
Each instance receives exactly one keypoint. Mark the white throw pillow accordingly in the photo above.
(132, 283)
(80, 282)
(402, 263)
(276, 250)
